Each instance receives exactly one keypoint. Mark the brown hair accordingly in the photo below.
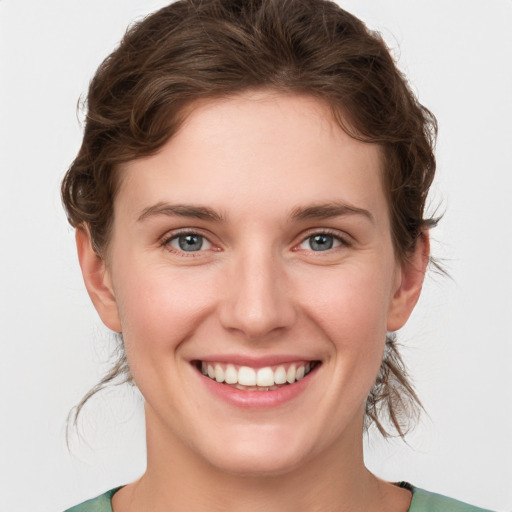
(194, 49)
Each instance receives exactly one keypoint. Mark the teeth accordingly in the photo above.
(265, 377)
(246, 376)
(231, 375)
(290, 374)
(280, 375)
(219, 373)
(251, 379)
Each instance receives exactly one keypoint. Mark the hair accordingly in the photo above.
(202, 49)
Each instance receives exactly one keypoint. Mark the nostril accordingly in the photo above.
(256, 301)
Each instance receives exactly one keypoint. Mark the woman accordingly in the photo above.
(249, 210)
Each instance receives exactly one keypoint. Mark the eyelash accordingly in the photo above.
(166, 241)
(343, 242)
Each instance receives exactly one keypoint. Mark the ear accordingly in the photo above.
(97, 280)
(409, 283)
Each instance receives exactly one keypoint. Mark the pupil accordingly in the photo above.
(190, 242)
(321, 242)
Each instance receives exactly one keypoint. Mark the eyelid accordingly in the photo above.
(165, 241)
(343, 238)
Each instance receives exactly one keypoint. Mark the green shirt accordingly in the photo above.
(422, 501)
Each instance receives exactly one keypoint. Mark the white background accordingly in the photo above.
(457, 54)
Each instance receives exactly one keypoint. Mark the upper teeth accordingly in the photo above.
(262, 377)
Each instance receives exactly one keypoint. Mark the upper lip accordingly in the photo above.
(255, 362)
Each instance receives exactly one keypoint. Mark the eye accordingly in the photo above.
(188, 242)
(321, 242)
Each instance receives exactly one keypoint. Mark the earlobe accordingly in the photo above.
(411, 276)
(97, 280)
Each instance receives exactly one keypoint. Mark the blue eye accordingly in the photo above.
(320, 242)
(189, 242)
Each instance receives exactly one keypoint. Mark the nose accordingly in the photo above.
(257, 300)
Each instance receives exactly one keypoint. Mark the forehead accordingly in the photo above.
(262, 148)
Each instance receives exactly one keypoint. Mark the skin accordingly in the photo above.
(256, 288)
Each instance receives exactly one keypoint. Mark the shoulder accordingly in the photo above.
(102, 503)
(424, 501)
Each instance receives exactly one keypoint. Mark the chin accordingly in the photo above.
(257, 464)
(258, 455)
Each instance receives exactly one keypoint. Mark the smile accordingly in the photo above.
(246, 378)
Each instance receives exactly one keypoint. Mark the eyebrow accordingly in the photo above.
(180, 210)
(313, 212)
(329, 210)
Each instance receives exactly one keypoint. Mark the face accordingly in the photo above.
(252, 274)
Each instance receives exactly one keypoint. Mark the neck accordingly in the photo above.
(333, 480)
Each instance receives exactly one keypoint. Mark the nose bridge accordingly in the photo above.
(258, 301)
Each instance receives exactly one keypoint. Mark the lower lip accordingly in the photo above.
(258, 399)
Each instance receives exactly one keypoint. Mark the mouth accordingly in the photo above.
(247, 378)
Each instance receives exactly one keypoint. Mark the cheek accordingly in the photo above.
(351, 305)
(159, 309)
(347, 311)
(351, 311)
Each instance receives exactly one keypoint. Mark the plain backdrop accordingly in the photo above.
(457, 55)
